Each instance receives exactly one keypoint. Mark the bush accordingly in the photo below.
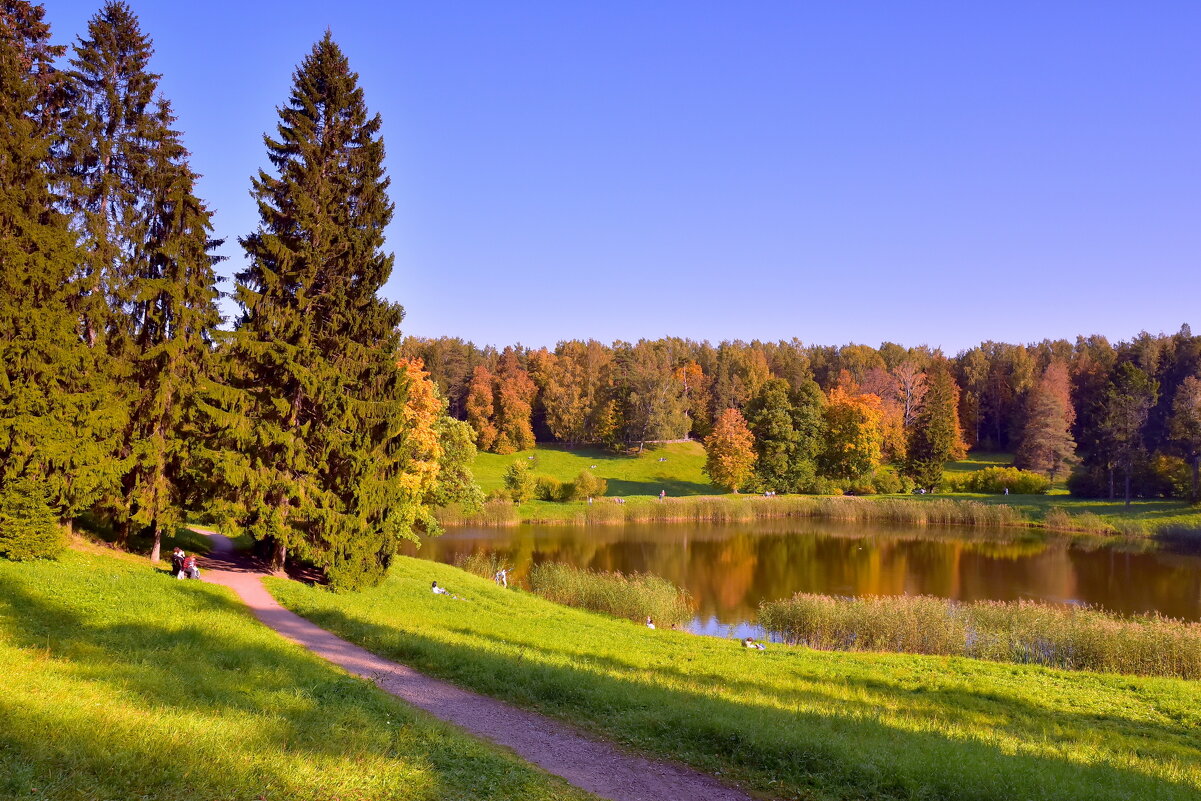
(549, 488)
(998, 479)
(636, 596)
(1069, 637)
(520, 482)
(588, 485)
(28, 528)
(888, 482)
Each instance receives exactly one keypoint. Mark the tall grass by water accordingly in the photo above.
(747, 508)
(1025, 632)
(636, 596)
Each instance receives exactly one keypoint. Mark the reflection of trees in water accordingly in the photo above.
(729, 569)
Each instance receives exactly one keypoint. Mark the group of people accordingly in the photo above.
(183, 566)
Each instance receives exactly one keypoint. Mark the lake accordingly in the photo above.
(731, 568)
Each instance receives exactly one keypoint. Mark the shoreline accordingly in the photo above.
(939, 511)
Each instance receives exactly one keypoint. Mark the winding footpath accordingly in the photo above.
(557, 748)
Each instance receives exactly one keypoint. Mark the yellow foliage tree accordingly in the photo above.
(854, 435)
(730, 451)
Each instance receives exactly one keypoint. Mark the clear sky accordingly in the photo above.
(920, 172)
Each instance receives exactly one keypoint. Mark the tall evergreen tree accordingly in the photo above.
(1185, 427)
(1128, 401)
(56, 424)
(787, 427)
(935, 437)
(1047, 445)
(150, 298)
(313, 410)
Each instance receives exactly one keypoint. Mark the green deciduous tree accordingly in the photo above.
(787, 427)
(313, 410)
(730, 451)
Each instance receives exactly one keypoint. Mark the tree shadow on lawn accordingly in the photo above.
(146, 675)
(850, 754)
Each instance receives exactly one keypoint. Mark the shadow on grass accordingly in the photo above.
(118, 734)
(845, 753)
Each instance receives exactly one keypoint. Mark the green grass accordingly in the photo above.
(123, 683)
(791, 722)
(644, 474)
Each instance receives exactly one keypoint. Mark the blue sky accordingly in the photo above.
(938, 173)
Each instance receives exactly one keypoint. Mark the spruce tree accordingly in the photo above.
(935, 437)
(56, 427)
(313, 407)
(148, 274)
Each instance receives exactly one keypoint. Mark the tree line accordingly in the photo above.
(122, 403)
(1116, 420)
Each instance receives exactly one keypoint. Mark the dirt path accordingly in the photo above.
(592, 765)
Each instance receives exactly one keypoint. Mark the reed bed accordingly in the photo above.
(746, 508)
(491, 513)
(482, 563)
(636, 596)
(1025, 632)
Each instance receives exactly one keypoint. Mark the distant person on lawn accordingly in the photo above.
(177, 561)
(443, 591)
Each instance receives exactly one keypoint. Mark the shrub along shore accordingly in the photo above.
(791, 722)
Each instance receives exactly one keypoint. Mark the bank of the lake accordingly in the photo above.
(791, 722)
(635, 481)
(729, 569)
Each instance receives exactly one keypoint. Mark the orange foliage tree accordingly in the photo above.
(730, 451)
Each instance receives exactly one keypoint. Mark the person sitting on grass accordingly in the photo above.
(188, 568)
(443, 591)
(650, 624)
(749, 643)
(177, 561)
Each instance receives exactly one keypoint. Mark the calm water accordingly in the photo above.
(729, 569)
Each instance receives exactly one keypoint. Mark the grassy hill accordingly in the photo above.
(121, 682)
(676, 467)
(791, 722)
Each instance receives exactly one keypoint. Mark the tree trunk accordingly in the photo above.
(278, 557)
(1196, 475)
(1111, 483)
(157, 549)
(121, 532)
(1127, 486)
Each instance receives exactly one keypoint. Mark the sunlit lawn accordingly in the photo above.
(793, 723)
(120, 682)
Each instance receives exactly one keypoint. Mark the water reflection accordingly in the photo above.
(730, 569)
